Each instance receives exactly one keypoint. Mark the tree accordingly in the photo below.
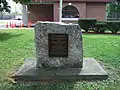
(22, 1)
(113, 9)
(118, 0)
(25, 11)
(4, 6)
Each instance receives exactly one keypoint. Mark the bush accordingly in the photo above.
(100, 27)
(113, 26)
(86, 23)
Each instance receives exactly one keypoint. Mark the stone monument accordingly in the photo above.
(59, 55)
(58, 45)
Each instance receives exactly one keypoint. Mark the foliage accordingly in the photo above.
(22, 1)
(16, 45)
(113, 26)
(4, 6)
(118, 0)
(86, 23)
(114, 7)
(100, 27)
(113, 10)
(111, 7)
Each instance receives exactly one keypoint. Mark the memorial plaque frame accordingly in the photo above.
(57, 45)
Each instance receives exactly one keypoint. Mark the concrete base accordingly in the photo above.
(91, 71)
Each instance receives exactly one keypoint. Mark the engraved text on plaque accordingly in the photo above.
(58, 45)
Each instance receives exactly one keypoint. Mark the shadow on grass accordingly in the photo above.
(65, 85)
(6, 36)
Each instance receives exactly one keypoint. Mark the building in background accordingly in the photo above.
(48, 10)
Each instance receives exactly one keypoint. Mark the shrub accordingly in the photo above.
(86, 23)
(113, 26)
(100, 27)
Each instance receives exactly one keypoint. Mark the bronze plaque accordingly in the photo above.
(58, 45)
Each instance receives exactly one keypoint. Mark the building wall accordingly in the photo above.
(50, 12)
(96, 10)
(71, 0)
(39, 12)
(56, 12)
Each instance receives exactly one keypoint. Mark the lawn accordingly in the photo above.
(16, 45)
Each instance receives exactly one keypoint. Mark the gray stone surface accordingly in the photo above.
(91, 71)
(75, 51)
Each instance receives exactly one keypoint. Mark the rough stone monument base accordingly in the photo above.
(91, 71)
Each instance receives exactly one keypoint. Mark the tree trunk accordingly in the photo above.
(1, 15)
(25, 15)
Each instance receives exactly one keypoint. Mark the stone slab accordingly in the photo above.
(91, 71)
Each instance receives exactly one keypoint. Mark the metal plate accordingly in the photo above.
(58, 45)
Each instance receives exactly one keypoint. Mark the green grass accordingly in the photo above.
(16, 45)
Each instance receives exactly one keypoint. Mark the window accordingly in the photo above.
(70, 12)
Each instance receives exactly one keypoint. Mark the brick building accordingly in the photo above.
(48, 10)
